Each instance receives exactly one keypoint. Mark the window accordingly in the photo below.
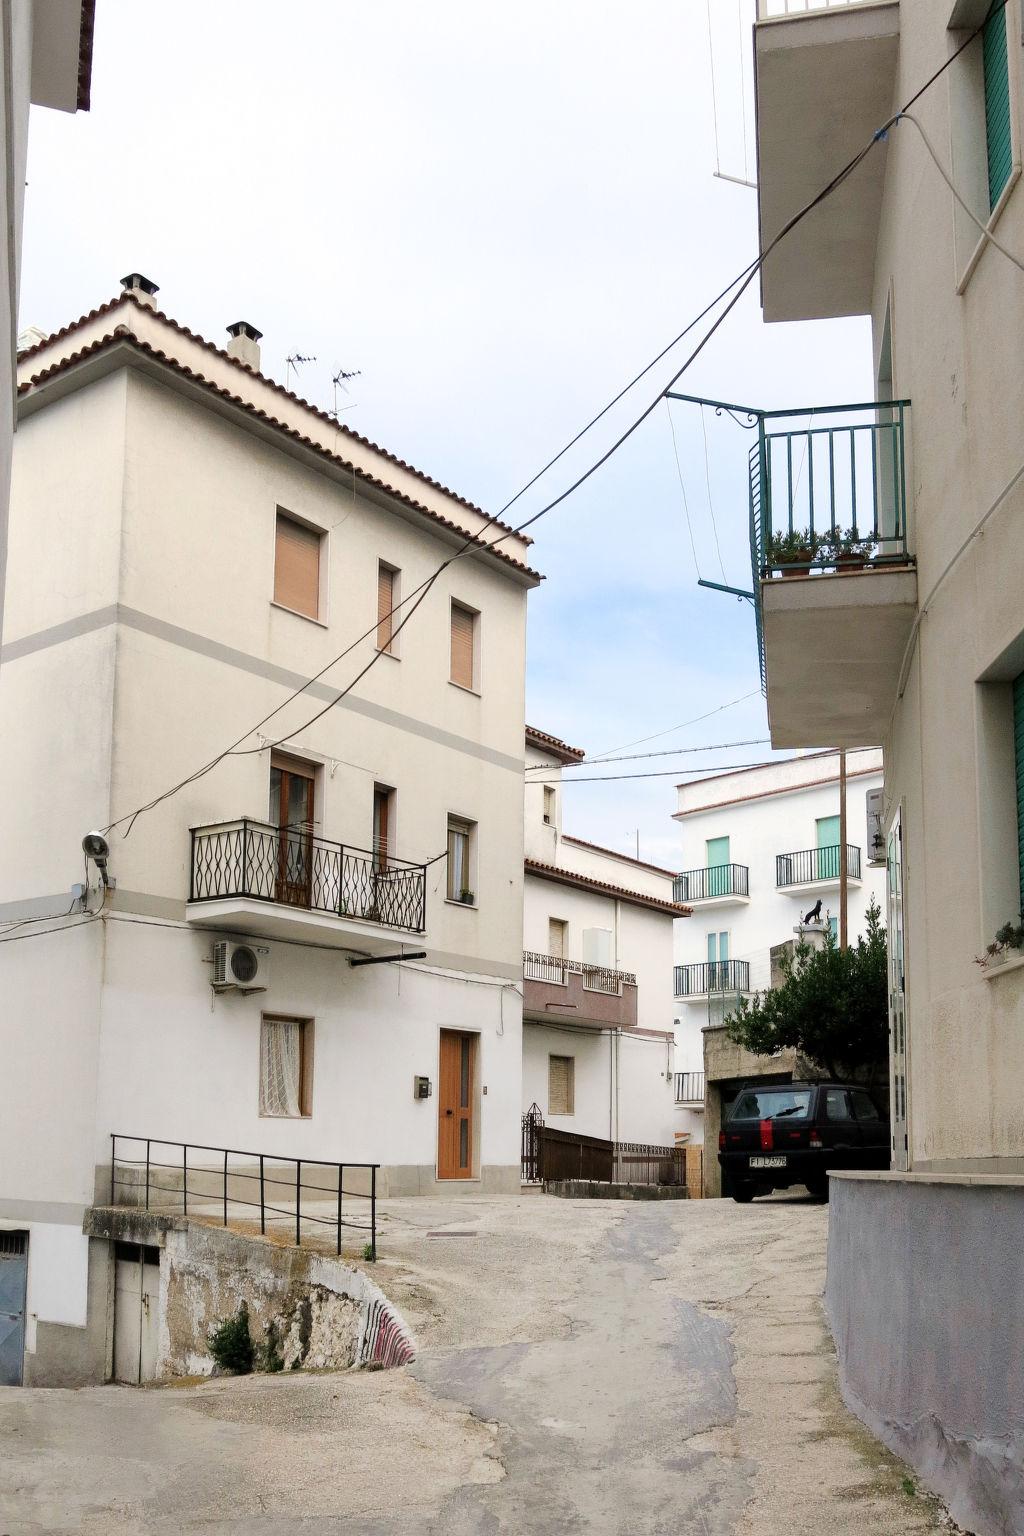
(463, 646)
(290, 849)
(286, 1067)
(383, 824)
(718, 961)
(833, 928)
(561, 1085)
(558, 938)
(837, 1104)
(460, 855)
(718, 866)
(772, 1104)
(996, 74)
(297, 567)
(387, 599)
(864, 1105)
(549, 805)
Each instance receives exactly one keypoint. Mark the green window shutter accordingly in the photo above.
(997, 105)
(828, 847)
(1018, 745)
(718, 859)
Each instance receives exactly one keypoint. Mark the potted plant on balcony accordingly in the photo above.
(793, 552)
(467, 898)
(1008, 945)
(848, 551)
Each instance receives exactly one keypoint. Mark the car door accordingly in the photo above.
(838, 1128)
(874, 1130)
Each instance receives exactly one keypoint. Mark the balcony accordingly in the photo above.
(825, 74)
(720, 885)
(689, 1089)
(696, 982)
(816, 869)
(273, 882)
(834, 582)
(557, 990)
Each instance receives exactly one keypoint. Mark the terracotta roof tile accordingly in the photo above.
(561, 749)
(125, 337)
(588, 883)
(235, 362)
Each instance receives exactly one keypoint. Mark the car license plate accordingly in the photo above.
(767, 1162)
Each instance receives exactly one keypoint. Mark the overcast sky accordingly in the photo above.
(499, 214)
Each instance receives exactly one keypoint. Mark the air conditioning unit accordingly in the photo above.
(240, 968)
(876, 831)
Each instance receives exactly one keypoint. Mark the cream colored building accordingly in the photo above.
(190, 544)
(921, 648)
(598, 1049)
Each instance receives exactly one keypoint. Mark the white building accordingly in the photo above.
(922, 649)
(597, 1011)
(760, 850)
(45, 60)
(190, 544)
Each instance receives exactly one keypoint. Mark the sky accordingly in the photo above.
(498, 214)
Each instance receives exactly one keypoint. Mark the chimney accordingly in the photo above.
(244, 345)
(142, 287)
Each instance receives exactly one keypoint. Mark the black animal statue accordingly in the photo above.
(814, 915)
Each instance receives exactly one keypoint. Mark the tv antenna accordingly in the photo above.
(340, 381)
(294, 363)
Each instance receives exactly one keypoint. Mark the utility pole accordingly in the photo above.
(843, 881)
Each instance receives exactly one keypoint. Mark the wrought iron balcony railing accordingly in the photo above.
(689, 1087)
(706, 884)
(712, 976)
(812, 864)
(556, 972)
(292, 867)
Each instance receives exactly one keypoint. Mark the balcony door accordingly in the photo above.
(829, 852)
(292, 792)
(718, 866)
(718, 961)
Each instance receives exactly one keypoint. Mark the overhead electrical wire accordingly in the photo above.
(740, 284)
(715, 746)
(598, 756)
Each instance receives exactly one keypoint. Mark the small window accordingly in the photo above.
(549, 806)
(463, 646)
(995, 70)
(561, 1085)
(286, 1067)
(297, 567)
(461, 837)
(387, 601)
(836, 1105)
(864, 1105)
(558, 938)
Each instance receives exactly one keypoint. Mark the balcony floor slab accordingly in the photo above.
(818, 887)
(271, 920)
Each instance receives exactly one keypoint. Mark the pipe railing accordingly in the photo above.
(689, 1087)
(712, 976)
(812, 864)
(716, 880)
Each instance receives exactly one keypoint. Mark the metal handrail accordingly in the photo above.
(689, 1087)
(711, 976)
(715, 880)
(555, 970)
(811, 864)
(227, 1173)
(293, 867)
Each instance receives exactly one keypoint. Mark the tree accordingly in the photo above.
(832, 1007)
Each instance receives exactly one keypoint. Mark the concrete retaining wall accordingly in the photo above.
(924, 1297)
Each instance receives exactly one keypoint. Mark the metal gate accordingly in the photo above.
(13, 1284)
(533, 1120)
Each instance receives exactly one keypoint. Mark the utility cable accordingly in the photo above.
(598, 756)
(716, 746)
(989, 236)
(740, 284)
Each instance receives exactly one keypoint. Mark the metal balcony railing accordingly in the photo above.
(705, 884)
(770, 10)
(812, 864)
(556, 971)
(689, 1087)
(712, 976)
(292, 867)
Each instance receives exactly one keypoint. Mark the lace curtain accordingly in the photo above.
(280, 1067)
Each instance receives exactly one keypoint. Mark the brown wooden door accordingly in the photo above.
(292, 786)
(455, 1105)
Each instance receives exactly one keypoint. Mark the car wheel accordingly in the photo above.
(743, 1193)
(819, 1190)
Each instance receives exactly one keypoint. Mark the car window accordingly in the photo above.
(771, 1104)
(836, 1104)
(864, 1105)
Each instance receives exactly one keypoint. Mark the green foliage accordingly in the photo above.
(832, 1007)
(794, 548)
(850, 542)
(268, 1355)
(909, 1487)
(231, 1343)
(368, 1253)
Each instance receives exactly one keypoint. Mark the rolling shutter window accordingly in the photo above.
(997, 105)
(561, 1085)
(1018, 745)
(463, 626)
(385, 603)
(297, 567)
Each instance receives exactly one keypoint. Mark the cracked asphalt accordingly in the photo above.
(583, 1366)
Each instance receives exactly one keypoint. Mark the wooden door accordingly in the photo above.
(292, 786)
(456, 1115)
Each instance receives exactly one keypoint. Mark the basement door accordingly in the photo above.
(136, 1312)
(13, 1281)
(456, 1098)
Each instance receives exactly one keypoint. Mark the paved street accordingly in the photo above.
(583, 1366)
